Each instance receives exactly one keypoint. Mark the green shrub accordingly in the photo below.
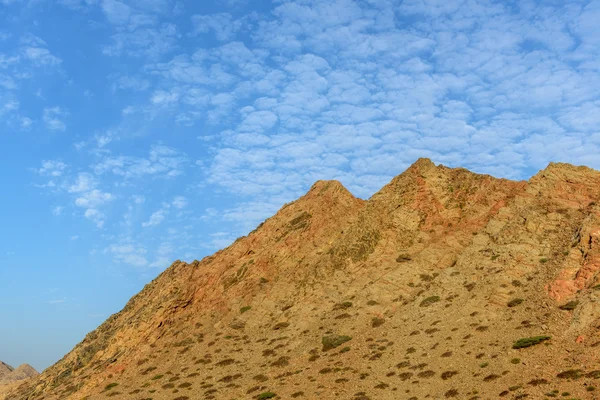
(343, 306)
(448, 374)
(514, 302)
(529, 341)
(333, 341)
(429, 301)
(571, 374)
(403, 258)
(244, 309)
(515, 361)
(570, 305)
(155, 377)
(594, 374)
(110, 386)
(266, 395)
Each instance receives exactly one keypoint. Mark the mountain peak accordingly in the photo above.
(327, 185)
(425, 280)
(566, 169)
(9, 374)
(5, 369)
(423, 164)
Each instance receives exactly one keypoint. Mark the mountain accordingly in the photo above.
(5, 370)
(444, 284)
(9, 375)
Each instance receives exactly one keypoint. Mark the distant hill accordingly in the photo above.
(444, 284)
(5, 369)
(9, 375)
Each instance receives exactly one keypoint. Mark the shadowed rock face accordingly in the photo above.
(444, 284)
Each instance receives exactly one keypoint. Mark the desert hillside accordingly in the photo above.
(444, 284)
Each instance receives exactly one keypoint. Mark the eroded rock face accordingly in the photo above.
(431, 280)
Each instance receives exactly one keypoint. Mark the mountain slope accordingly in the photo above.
(423, 291)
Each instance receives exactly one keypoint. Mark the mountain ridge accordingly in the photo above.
(9, 375)
(330, 266)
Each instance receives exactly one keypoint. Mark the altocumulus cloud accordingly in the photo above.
(279, 95)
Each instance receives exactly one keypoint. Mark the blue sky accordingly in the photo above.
(137, 132)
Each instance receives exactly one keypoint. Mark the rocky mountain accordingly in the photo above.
(5, 369)
(9, 375)
(444, 284)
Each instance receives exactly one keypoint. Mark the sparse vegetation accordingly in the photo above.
(448, 374)
(529, 341)
(571, 305)
(403, 258)
(266, 395)
(515, 302)
(333, 341)
(325, 326)
(429, 301)
(343, 306)
(245, 308)
(570, 374)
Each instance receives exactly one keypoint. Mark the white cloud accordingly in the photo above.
(162, 161)
(41, 56)
(26, 122)
(315, 89)
(179, 202)
(85, 182)
(77, 4)
(95, 216)
(164, 98)
(161, 262)
(52, 168)
(152, 41)
(223, 25)
(138, 199)
(53, 118)
(220, 240)
(155, 219)
(116, 12)
(93, 199)
(128, 252)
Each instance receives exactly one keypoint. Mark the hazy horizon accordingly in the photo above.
(134, 132)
